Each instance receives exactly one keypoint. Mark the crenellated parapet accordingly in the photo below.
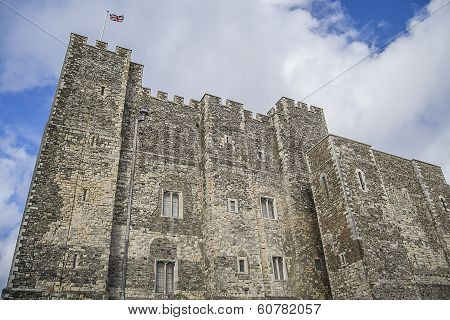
(285, 106)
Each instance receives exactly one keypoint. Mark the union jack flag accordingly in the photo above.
(116, 18)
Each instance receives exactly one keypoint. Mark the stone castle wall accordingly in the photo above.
(93, 224)
(387, 230)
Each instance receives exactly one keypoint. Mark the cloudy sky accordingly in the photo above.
(253, 51)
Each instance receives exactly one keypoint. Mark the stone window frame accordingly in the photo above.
(229, 200)
(443, 203)
(283, 260)
(323, 179)
(227, 139)
(361, 180)
(343, 260)
(238, 259)
(180, 203)
(274, 204)
(175, 275)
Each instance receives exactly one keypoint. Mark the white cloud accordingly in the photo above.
(16, 166)
(7, 246)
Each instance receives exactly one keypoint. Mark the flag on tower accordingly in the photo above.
(116, 18)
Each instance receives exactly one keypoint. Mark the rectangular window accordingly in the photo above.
(164, 282)
(242, 265)
(233, 205)
(102, 91)
(172, 204)
(84, 196)
(278, 268)
(325, 185)
(268, 207)
(75, 261)
(318, 264)
(361, 180)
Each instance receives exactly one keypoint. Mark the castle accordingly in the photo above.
(137, 197)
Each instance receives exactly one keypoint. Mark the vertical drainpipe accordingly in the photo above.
(141, 117)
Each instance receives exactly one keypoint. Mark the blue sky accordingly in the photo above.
(380, 20)
(254, 52)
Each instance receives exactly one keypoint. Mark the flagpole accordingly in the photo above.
(104, 25)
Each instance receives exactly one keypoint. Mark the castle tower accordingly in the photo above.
(258, 204)
(64, 240)
(379, 222)
(298, 127)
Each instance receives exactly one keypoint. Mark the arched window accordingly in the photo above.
(361, 180)
(323, 180)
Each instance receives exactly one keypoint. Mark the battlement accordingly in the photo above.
(280, 106)
(208, 98)
(79, 40)
(309, 107)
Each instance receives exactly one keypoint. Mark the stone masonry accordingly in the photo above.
(267, 207)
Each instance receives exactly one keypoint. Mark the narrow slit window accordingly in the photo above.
(84, 195)
(75, 261)
(233, 205)
(325, 185)
(227, 139)
(362, 182)
(242, 265)
(102, 91)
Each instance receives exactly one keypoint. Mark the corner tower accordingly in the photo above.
(381, 222)
(64, 240)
